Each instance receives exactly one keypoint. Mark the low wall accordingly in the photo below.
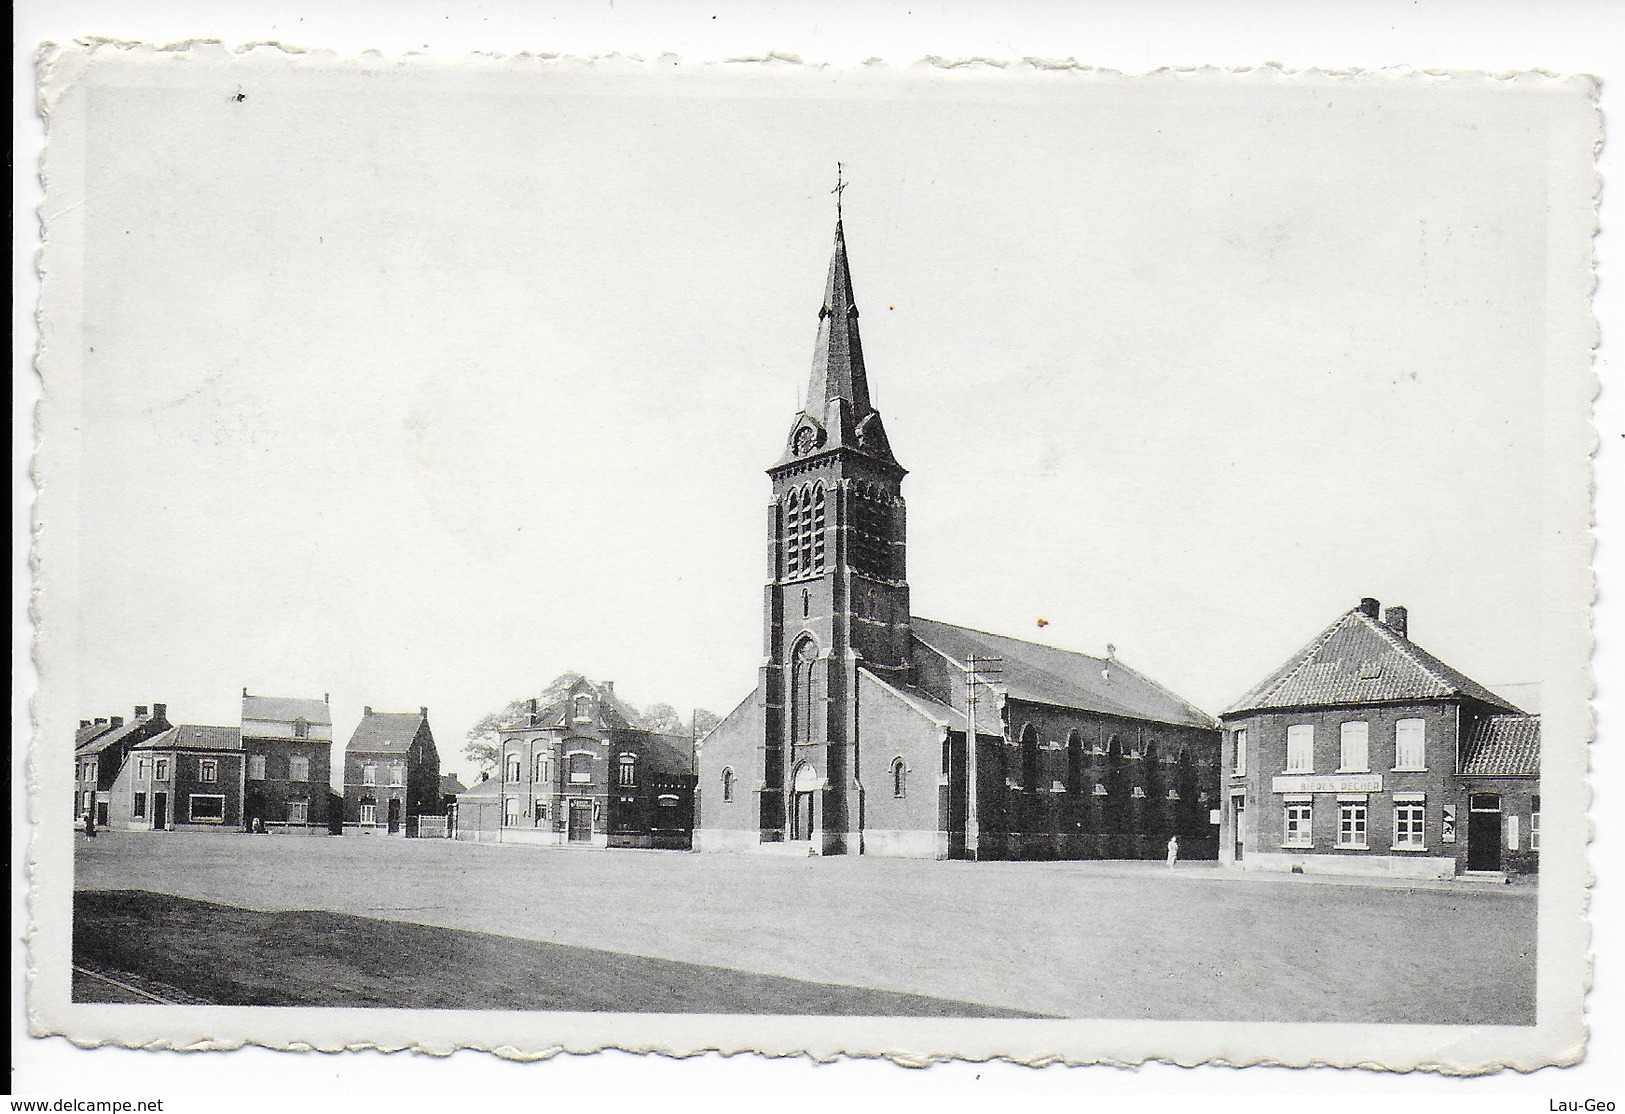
(1381, 866)
(725, 840)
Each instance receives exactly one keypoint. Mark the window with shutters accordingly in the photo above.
(1300, 748)
(1409, 738)
(1354, 757)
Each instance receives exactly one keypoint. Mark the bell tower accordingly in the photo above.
(838, 593)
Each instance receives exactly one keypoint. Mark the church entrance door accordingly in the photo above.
(803, 787)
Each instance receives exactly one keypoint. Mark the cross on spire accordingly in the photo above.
(840, 186)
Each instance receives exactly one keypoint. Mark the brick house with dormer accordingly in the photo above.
(579, 767)
(1363, 753)
(391, 773)
(100, 751)
(287, 752)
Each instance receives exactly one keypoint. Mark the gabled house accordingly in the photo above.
(1364, 753)
(391, 773)
(99, 755)
(187, 777)
(579, 766)
(287, 753)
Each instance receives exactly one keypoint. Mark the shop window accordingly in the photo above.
(206, 808)
(1300, 824)
(1351, 824)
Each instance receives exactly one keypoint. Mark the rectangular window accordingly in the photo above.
(1300, 748)
(1241, 752)
(397, 774)
(1354, 757)
(139, 808)
(1534, 824)
(1410, 826)
(369, 812)
(256, 767)
(208, 770)
(298, 811)
(1351, 824)
(161, 767)
(298, 768)
(206, 808)
(1300, 820)
(369, 774)
(543, 774)
(1409, 736)
(1510, 824)
(510, 811)
(143, 769)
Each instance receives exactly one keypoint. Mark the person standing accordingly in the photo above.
(1173, 851)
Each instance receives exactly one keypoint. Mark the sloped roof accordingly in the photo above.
(194, 736)
(490, 787)
(117, 735)
(552, 701)
(1358, 660)
(1064, 678)
(451, 783)
(386, 732)
(1506, 746)
(286, 709)
(91, 731)
(924, 703)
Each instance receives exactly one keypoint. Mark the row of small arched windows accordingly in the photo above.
(804, 518)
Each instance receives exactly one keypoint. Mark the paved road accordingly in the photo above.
(1074, 939)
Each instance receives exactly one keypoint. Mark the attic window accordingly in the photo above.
(582, 708)
(1370, 671)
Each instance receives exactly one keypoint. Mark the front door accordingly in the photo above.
(1238, 823)
(160, 811)
(101, 814)
(1484, 831)
(580, 821)
(394, 814)
(801, 815)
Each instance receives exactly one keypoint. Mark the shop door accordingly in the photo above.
(394, 815)
(1484, 832)
(160, 811)
(580, 821)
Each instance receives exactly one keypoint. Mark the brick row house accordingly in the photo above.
(579, 767)
(391, 773)
(857, 738)
(100, 750)
(287, 750)
(187, 777)
(1363, 753)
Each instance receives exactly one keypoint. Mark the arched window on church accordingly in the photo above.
(790, 531)
(727, 783)
(899, 777)
(1074, 763)
(1029, 758)
(806, 694)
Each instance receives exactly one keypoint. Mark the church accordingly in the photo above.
(855, 738)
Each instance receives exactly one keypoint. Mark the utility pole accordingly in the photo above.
(978, 671)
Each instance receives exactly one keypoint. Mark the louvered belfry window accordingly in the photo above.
(804, 522)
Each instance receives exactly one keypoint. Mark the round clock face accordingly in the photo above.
(806, 438)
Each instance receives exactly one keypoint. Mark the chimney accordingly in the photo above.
(608, 686)
(366, 709)
(245, 691)
(116, 721)
(485, 775)
(84, 723)
(1398, 621)
(100, 720)
(423, 711)
(1370, 607)
(140, 710)
(160, 712)
(327, 698)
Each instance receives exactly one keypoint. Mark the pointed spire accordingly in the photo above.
(837, 370)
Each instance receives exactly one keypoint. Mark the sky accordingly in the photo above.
(420, 386)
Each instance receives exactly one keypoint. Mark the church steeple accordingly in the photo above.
(838, 412)
(837, 370)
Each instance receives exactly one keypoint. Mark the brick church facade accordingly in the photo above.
(854, 740)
